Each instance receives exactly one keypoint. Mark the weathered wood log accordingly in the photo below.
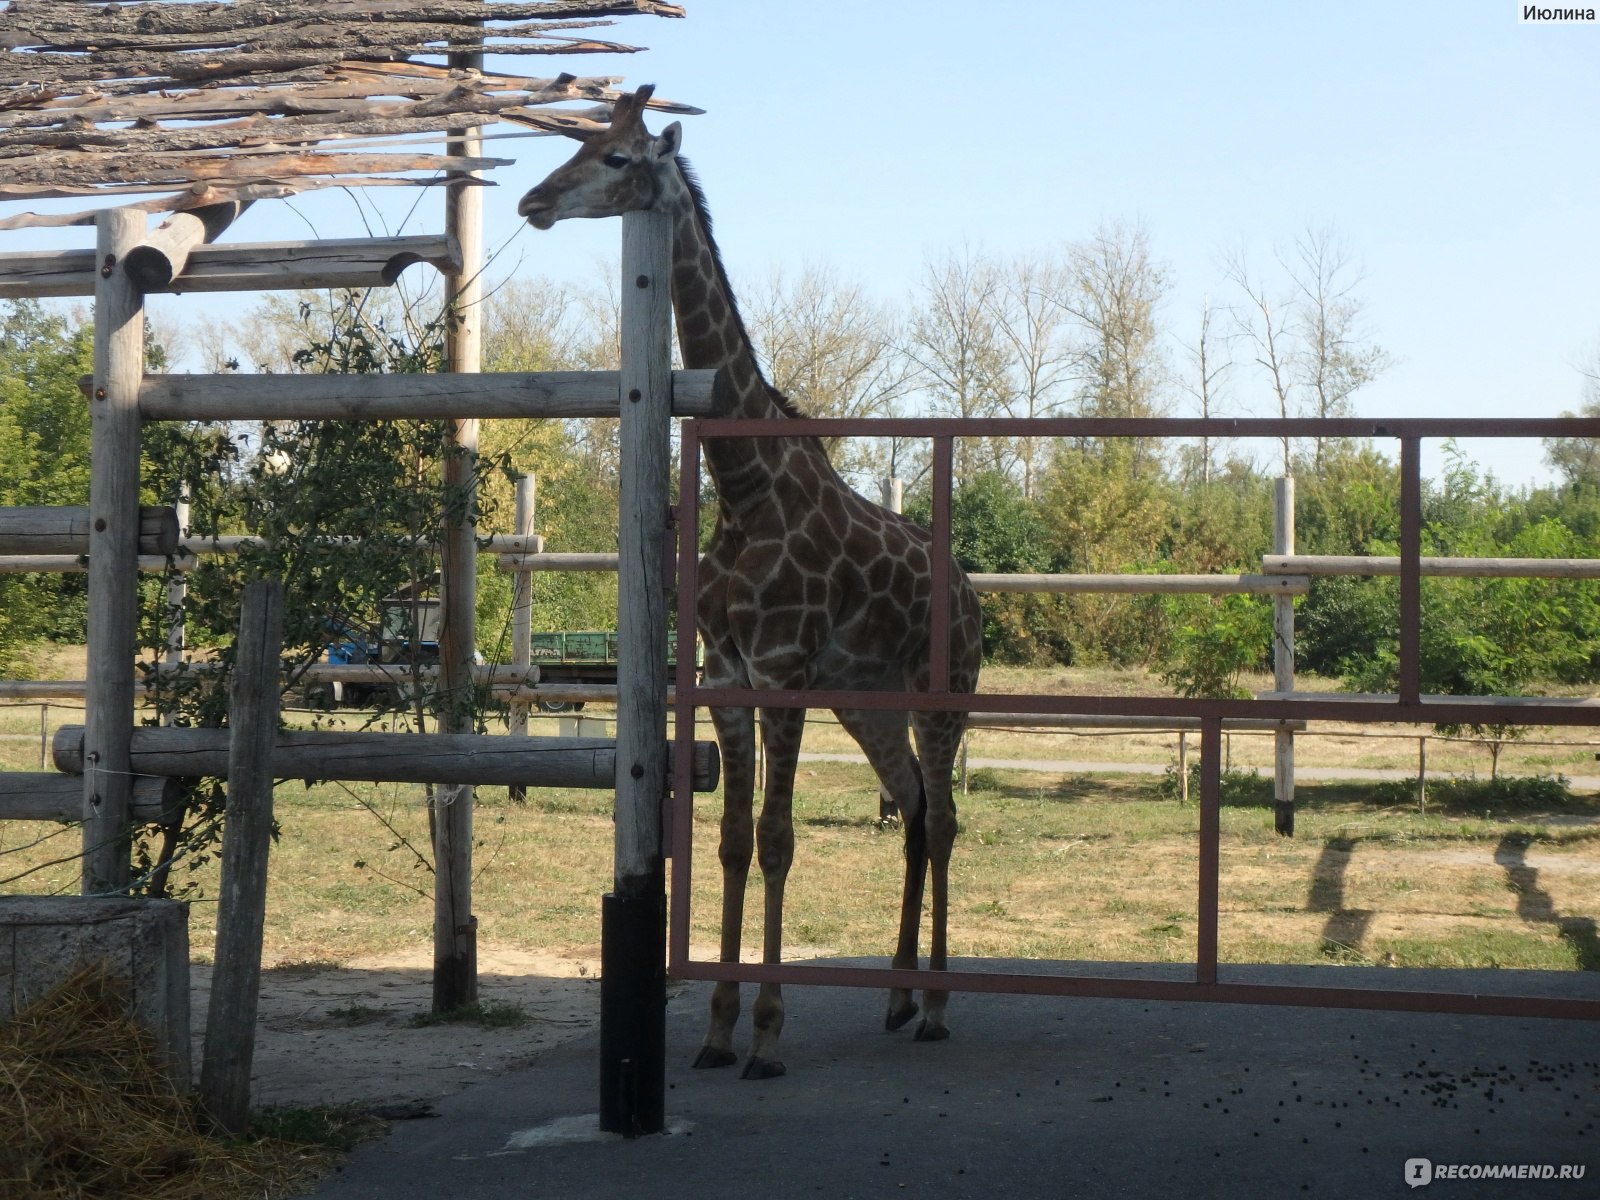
(247, 837)
(1263, 584)
(1457, 568)
(455, 928)
(165, 252)
(113, 552)
(52, 796)
(404, 397)
(556, 562)
(253, 266)
(387, 757)
(54, 531)
(77, 564)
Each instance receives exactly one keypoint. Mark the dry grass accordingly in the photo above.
(1049, 865)
(91, 1113)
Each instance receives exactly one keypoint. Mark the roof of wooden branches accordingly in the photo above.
(207, 101)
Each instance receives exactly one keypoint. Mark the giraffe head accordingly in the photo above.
(620, 169)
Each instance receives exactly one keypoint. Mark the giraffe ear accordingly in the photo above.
(668, 143)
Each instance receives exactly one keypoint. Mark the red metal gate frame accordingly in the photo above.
(1409, 706)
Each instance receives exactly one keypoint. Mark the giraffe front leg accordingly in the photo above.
(781, 730)
(736, 737)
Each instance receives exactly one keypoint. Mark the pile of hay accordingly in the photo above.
(86, 1110)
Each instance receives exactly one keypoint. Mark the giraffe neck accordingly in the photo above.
(711, 335)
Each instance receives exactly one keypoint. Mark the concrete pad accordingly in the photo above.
(1046, 1097)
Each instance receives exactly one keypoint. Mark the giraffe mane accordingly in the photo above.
(702, 212)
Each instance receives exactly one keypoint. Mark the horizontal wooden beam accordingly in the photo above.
(52, 796)
(1095, 721)
(77, 564)
(1279, 585)
(242, 267)
(558, 562)
(1460, 568)
(388, 757)
(560, 394)
(65, 530)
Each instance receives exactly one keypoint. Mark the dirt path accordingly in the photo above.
(336, 1034)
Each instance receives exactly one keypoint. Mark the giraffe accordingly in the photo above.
(804, 584)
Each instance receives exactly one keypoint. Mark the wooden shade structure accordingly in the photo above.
(223, 103)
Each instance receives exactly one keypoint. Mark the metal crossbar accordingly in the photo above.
(1409, 706)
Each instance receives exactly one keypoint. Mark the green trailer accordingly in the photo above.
(585, 656)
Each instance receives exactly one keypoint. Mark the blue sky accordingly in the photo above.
(1452, 147)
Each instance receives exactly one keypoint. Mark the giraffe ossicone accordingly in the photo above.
(804, 584)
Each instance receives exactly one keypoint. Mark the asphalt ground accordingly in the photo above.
(1049, 1097)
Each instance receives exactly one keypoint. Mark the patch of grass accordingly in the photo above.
(357, 1014)
(490, 1014)
(1237, 787)
(336, 1128)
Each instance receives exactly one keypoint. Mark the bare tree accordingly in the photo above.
(954, 342)
(1263, 323)
(1335, 359)
(831, 349)
(1210, 360)
(1307, 330)
(1113, 293)
(1032, 322)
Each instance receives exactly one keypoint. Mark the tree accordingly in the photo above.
(954, 342)
(1577, 459)
(1031, 318)
(831, 350)
(1305, 329)
(1114, 292)
(1210, 360)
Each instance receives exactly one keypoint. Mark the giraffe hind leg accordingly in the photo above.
(736, 738)
(884, 739)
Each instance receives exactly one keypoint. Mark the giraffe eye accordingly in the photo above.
(615, 161)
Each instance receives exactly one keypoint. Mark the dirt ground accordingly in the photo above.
(344, 1033)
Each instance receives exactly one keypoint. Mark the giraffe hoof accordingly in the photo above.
(762, 1068)
(931, 1033)
(710, 1056)
(899, 1016)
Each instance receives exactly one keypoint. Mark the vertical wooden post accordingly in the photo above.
(455, 928)
(44, 736)
(522, 616)
(113, 551)
(634, 920)
(1283, 662)
(241, 906)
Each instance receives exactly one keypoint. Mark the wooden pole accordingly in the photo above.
(387, 757)
(29, 531)
(161, 257)
(522, 617)
(634, 925)
(1283, 661)
(455, 928)
(241, 906)
(113, 552)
